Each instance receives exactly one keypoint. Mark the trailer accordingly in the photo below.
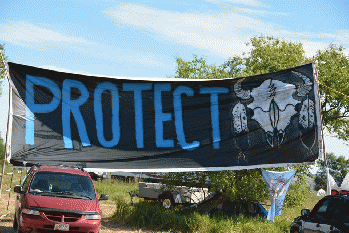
(170, 196)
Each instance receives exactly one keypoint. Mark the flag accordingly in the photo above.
(345, 183)
(331, 183)
(277, 183)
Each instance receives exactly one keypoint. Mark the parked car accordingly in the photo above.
(56, 199)
(330, 214)
(169, 197)
(99, 175)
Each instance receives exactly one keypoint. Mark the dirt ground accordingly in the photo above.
(107, 225)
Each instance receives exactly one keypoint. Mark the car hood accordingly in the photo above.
(71, 204)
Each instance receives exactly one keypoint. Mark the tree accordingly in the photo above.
(199, 69)
(2, 76)
(338, 168)
(333, 71)
(2, 68)
(268, 54)
(2, 149)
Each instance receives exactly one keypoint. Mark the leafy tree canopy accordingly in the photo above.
(2, 68)
(333, 71)
(338, 168)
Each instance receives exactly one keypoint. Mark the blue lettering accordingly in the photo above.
(160, 117)
(106, 86)
(177, 102)
(214, 91)
(33, 108)
(69, 105)
(137, 88)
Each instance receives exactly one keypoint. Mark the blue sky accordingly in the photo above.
(142, 38)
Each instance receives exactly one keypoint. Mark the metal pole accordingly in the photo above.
(316, 78)
(8, 125)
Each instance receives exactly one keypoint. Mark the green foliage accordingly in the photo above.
(296, 195)
(2, 149)
(113, 188)
(2, 68)
(122, 208)
(333, 71)
(270, 54)
(152, 215)
(338, 168)
(198, 69)
(246, 184)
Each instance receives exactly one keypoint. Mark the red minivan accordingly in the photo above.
(57, 199)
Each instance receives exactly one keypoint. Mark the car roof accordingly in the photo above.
(61, 169)
(336, 196)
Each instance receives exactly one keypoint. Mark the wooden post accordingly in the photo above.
(7, 149)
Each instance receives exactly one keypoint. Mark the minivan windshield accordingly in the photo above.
(62, 185)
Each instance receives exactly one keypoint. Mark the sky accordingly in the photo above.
(143, 38)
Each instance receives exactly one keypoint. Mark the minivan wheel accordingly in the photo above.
(16, 227)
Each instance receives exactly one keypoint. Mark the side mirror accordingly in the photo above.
(103, 197)
(305, 212)
(18, 189)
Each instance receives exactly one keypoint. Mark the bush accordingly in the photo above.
(122, 209)
(152, 215)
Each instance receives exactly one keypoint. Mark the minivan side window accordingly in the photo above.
(26, 181)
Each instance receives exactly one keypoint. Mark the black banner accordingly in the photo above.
(163, 124)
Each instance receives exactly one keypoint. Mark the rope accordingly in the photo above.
(330, 88)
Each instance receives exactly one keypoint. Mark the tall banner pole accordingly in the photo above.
(322, 142)
(8, 134)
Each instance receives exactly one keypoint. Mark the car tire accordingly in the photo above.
(16, 226)
(167, 201)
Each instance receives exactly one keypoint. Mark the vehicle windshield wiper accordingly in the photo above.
(64, 192)
(85, 196)
(39, 192)
(72, 194)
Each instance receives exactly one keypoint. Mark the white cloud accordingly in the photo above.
(260, 12)
(29, 35)
(223, 34)
(242, 2)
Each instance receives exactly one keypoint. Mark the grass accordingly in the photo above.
(150, 215)
(115, 189)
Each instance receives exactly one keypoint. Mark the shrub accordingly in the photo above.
(151, 215)
(122, 208)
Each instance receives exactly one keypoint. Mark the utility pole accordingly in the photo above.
(8, 125)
